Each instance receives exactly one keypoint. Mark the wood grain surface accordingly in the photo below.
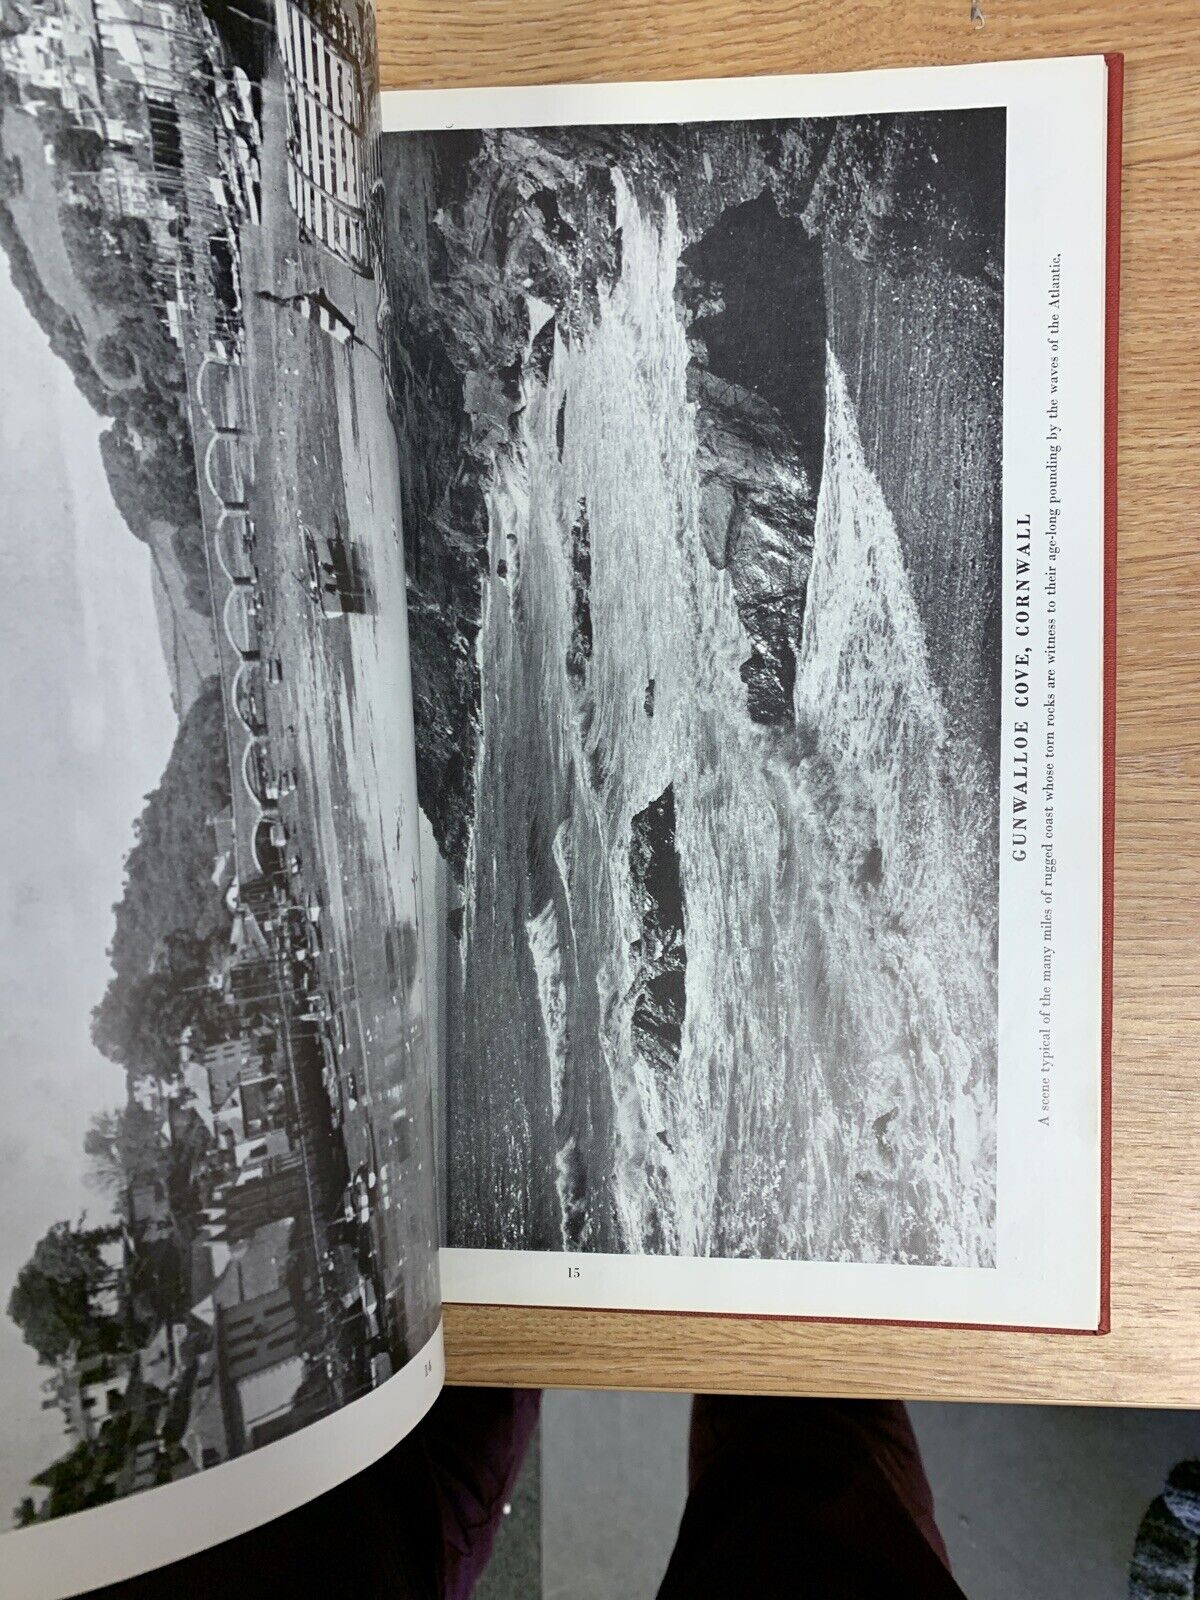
(1152, 1355)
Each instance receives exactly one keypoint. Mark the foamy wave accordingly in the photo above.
(834, 1096)
(546, 951)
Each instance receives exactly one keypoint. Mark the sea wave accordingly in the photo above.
(546, 953)
(834, 1093)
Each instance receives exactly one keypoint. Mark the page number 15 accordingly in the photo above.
(572, 1272)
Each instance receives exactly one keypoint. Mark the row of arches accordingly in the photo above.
(233, 544)
(220, 394)
(227, 471)
(220, 397)
(227, 467)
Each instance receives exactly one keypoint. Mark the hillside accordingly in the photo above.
(85, 278)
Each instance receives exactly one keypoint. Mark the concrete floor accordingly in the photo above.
(1035, 1503)
(613, 1486)
(1041, 1502)
(515, 1570)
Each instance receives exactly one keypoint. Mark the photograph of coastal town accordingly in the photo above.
(701, 443)
(217, 1183)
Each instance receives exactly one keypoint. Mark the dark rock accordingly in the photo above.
(761, 315)
(579, 651)
(902, 192)
(558, 230)
(752, 288)
(870, 868)
(661, 984)
(648, 700)
(541, 351)
(757, 514)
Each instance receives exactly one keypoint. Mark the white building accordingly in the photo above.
(328, 146)
(88, 1392)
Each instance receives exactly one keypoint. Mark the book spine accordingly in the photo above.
(1112, 296)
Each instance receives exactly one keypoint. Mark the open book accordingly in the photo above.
(556, 728)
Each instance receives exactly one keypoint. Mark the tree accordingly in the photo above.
(168, 874)
(114, 358)
(12, 179)
(26, 1513)
(52, 1301)
(123, 1147)
(87, 1475)
(78, 149)
(139, 1021)
(171, 920)
(76, 1481)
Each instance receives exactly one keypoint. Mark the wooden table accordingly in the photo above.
(1152, 1355)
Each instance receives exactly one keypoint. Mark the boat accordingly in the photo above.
(330, 574)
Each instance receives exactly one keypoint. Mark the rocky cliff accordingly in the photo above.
(480, 227)
(487, 231)
(752, 293)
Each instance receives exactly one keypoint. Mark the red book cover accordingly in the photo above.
(1112, 297)
(927, 263)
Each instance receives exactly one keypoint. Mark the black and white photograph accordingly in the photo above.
(217, 1184)
(700, 427)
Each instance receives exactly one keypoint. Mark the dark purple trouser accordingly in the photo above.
(818, 1498)
(475, 1441)
(785, 1497)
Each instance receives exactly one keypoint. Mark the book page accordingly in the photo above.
(218, 1245)
(752, 436)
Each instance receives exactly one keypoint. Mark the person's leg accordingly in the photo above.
(474, 1441)
(791, 1497)
(375, 1535)
(418, 1525)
